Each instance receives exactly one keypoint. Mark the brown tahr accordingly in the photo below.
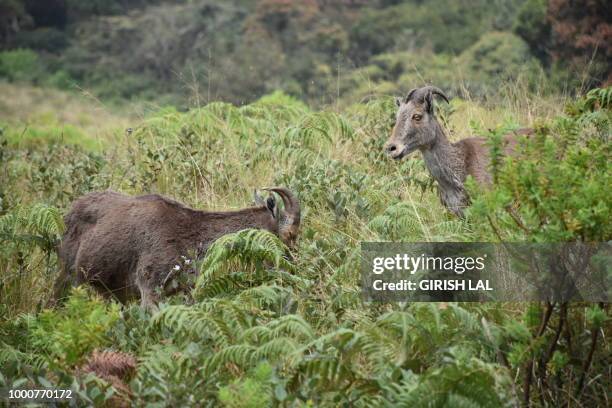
(128, 246)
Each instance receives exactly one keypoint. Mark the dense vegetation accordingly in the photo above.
(189, 53)
(259, 329)
(205, 101)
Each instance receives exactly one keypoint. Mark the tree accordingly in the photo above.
(582, 35)
(570, 34)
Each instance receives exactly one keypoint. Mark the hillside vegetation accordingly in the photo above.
(205, 101)
(189, 53)
(39, 115)
(262, 330)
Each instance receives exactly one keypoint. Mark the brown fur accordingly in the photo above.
(476, 153)
(127, 246)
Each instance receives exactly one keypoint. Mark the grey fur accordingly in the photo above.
(417, 128)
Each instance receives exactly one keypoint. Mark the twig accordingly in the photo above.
(511, 211)
(494, 228)
(587, 362)
(551, 348)
(549, 309)
(529, 365)
(553, 345)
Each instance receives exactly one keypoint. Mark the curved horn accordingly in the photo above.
(409, 95)
(292, 204)
(434, 91)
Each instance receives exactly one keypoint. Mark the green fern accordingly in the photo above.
(241, 251)
(40, 225)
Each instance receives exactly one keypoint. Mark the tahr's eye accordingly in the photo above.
(417, 117)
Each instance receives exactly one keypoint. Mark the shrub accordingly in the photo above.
(20, 65)
(250, 392)
(531, 26)
(62, 338)
(28, 238)
(60, 79)
(558, 190)
(496, 57)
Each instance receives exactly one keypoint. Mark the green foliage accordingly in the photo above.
(50, 131)
(446, 26)
(42, 39)
(557, 190)
(41, 225)
(270, 327)
(56, 173)
(596, 317)
(402, 220)
(20, 65)
(596, 101)
(531, 25)
(280, 99)
(251, 392)
(481, 386)
(247, 250)
(60, 79)
(496, 56)
(59, 339)
(189, 53)
(67, 335)
(43, 350)
(28, 237)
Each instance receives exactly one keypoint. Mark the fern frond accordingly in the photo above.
(249, 249)
(40, 224)
(242, 355)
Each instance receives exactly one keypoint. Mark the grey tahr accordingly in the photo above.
(127, 246)
(417, 128)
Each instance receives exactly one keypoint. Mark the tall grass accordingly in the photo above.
(302, 338)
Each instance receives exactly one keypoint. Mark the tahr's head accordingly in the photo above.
(285, 222)
(416, 124)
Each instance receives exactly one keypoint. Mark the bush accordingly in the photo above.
(558, 190)
(531, 25)
(67, 335)
(496, 57)
(60, 79)
(251, 392)
(20, 65)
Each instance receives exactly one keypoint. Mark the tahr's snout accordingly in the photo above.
(390, 148)
(393, 149)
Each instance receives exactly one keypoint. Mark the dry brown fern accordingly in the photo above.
(110, 363)
(114, 367)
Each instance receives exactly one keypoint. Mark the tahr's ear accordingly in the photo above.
(271, 204)
(428, 102)
(398, 101)
(258, 199)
